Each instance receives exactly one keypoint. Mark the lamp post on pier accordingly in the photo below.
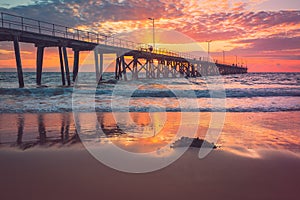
(153, 30)
(208, 48)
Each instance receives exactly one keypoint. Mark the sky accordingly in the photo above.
(265, 34)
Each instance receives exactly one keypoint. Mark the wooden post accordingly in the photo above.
(152, 69)
(135, 75)
(166, 70)
(198, 69)
(181, 70)
(66, 65)
(124, 68)
(96, 57)
(62, 66)
(101, 66)
(159, 65)
(39, 64)
(117, 68)
(172, 69)
(18, 62)
(147, 67)
(193, 70)
(120, 67)
(75, 65)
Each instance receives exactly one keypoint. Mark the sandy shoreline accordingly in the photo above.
(258, 158)
(74, 174)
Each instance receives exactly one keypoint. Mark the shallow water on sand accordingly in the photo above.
(242, 132)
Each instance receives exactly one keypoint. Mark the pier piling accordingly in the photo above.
(135, 70)
(62, 66)
(66, 65)
(75, 65)
(39, 64)
(101, 67)
(18, 62)
(118, 74)
(124, 68)
(96, 57)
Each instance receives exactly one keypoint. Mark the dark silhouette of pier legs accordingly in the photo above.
(62, 66)
(160, 67)
(76, 64)
(39, 64)
(67, 66)
(18, 62)
(135, 69)
(121, 67)
(150, 69)
(118, 74)
(124, 68)
(193, 71)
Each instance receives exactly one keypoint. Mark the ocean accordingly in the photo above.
(252, 92)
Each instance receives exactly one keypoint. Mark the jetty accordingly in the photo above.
(131, 58)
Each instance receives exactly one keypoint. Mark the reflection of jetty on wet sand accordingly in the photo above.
(65, 136)
(29, 130)
(193, 142)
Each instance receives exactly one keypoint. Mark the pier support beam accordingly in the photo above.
(98, 65)
(62, 66)
(39, 64)
(135, 75)
(75, 65)
(18, 62)
(66, 66)
(118, 70)
(96, 57)
(101, 67)
(124, 67)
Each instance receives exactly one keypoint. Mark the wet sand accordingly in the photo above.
(253, 130)
(258, 158)
(74, 174)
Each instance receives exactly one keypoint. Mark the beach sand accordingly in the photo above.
(75, 174)
(258, 158)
